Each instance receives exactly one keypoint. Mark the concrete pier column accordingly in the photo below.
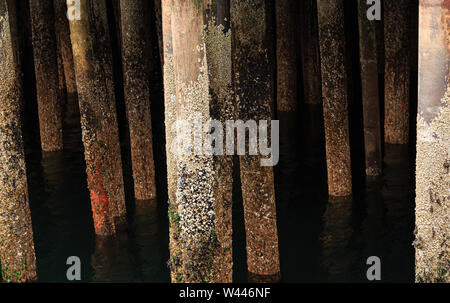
(17, 256)
(91, 47)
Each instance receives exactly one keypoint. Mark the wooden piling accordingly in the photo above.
(64, 47)
(218, 56)
(203, 184)
(309, 48)
(136, 74)
(175, 260)
(17, 256)
(46, 69)
(286, 56)
(397, 71)
(433, 137)
(157, 6)
(91, 47)
(370, 96)
(252, 94)
(334, 95)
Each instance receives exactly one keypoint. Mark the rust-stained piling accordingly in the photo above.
(201, 220)
(136, 70)
(46, 68)
(433, 150)
(93, 68)
(65, 51)
(17, 257)
(370, 96)
(252, 94)
(286, 56)
(309, 48)
(334, 94)
(397, 71)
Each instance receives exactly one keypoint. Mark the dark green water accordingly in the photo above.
(319, 241)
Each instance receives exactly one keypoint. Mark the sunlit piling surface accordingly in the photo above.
(433, 144)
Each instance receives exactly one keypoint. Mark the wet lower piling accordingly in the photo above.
(17, 255)
(91, 47)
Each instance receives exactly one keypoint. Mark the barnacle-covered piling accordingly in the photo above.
(175, 261)
(370, 96)
(202, 77)
(46, 69)
(286, 56)
(93, 68)
(397, 71)
(334, 94)
(17, 257)
(136, 70)
(432, 241)
(253, 98)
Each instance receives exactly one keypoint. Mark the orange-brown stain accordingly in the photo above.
(99, 202)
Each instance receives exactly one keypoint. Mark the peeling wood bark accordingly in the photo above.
(93, 68)
(17, 256)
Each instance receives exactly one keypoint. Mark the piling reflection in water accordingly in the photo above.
(337, 255)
